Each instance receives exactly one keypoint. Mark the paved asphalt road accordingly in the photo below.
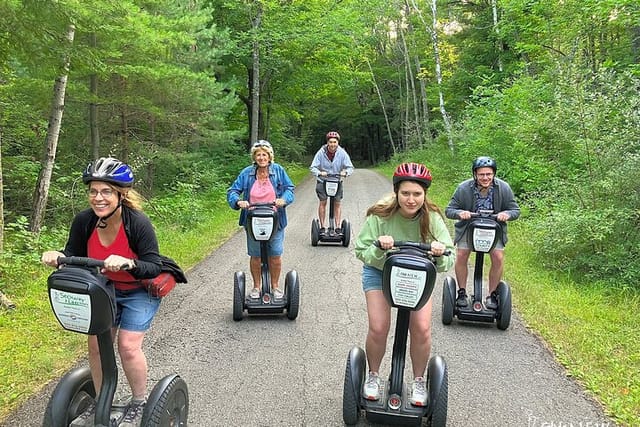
(270, 371)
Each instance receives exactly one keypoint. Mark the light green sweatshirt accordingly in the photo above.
(401, 229)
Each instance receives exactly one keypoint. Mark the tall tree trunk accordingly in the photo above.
(494, 9)
(412, 82)
(635, 40)
(255, 78)
(384, 110)
(436, 54)
(53, 132)
(1, 199)
(93, 109)
(124, 125)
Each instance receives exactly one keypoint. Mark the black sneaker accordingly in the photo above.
(323, 231)
(491, 302)
(461, 301)
(338, 230)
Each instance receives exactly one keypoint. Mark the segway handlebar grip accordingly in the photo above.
(417, 245)
(85, 262)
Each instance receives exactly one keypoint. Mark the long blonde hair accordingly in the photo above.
(388, 205)
(128, 197)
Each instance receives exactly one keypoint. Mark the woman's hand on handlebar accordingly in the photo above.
(386, 242)
(437, 248)
(50, 258)
(243, 204)
(280, 203)
(117, 263)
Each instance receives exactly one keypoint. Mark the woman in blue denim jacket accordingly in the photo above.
(263, 182)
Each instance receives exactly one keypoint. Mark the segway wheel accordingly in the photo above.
(292, 289)
(168, 403)
(315, 232)
(503, 316)
(448, 299)
(438, 382)
(346, 233)
(238, 295)
(71, 397)
(353, 379)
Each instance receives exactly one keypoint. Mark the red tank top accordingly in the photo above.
(122, 280)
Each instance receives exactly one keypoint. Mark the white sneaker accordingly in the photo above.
(255, 293)
(418, 392)
(371, 389)
(278, 294)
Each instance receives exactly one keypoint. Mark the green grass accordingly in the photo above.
(590, 327)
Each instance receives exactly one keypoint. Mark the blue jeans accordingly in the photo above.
(371, 278)
(135, 309)
(275, 245)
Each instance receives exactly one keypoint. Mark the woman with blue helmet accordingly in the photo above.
(115, 229)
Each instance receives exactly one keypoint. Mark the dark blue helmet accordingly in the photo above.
(484, 162)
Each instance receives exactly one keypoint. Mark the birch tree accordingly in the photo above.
(51, 142)
(432, 31)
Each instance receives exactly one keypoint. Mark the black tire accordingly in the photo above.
(350, 397)
(346, 233)
(503, 316)
(292, 289)
(168, 404)
(71, 397)
(315, 232)
(438, 417)
(448, 300)
(238, 295)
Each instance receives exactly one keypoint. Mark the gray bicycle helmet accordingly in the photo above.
(109, 170)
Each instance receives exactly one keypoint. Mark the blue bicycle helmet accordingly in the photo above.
(109, 170)
(484, 162)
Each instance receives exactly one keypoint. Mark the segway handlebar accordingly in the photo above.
(426, 247)
(484, 214)
(85, 262)
(334, 175)
(262, 205)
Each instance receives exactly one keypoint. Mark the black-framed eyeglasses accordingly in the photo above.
(105, 193)
(487, 175)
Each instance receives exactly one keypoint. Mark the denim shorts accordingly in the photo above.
(323, 196)
(463, 243)
(371, 278)
(275, 245)
(135, 310)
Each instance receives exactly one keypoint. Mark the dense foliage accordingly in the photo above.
(551, 89)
